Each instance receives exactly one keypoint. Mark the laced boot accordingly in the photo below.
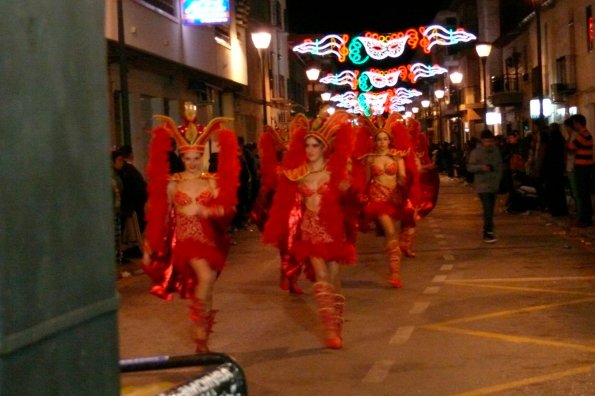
(325, 299)
(393, 253)
(203, 319)
(290, 273)
(294, 287)
(339, 309)
(406, 241)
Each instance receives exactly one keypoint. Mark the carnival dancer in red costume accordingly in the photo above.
(384, 176)
(311, 187)
(189, 213)
(429, 179)
(403, 137)
(422, 183)
(271, 146)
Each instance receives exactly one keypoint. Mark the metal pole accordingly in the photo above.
(440, 120)
(264, 89)
(539, 63)
(125, 107)
(485, 92)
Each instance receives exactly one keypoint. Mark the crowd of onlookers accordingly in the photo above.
(541, 168)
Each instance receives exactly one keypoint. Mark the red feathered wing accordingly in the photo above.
(157, 175)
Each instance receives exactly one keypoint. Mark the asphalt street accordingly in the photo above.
(516, 317)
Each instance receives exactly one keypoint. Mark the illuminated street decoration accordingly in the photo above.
(346, 77)
(375, 78)
(403, 96)
(372, 103)
(332, 44)
(438, 35)
(381, 46)
(419, 70)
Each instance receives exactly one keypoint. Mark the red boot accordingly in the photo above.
(393, 253)
(325, 298)
(406, 241)
(339, 309)
(203, 319)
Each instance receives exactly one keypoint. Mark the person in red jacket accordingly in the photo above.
(188, 215)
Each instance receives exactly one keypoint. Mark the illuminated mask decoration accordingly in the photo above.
(360, 49)
(376, 78)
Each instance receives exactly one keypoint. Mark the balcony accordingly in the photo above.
(506, 91)
(561, 91)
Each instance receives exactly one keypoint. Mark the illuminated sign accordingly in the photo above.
(360, 49)
(201, 12)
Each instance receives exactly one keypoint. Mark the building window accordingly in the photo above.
(590, 29)
(164, 7)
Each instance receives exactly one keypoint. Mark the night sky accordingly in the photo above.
(324, 16)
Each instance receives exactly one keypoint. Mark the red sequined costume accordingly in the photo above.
(173, 237)
(377, 198)
(323, 233)
(320, 234)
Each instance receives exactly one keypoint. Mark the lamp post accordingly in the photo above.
(425, 103)
(312, 72)
(439, 93)
(262, 40)
(483, 51)
(537, 7)
(456, 78)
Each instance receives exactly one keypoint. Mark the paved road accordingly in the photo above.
(513, 318)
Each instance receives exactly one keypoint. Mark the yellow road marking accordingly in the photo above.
(539, 279)
(528, 381)
(512, 312)
(511, 338)
(515, 288)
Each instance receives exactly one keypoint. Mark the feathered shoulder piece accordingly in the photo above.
(269, 162)
(158, 178)
(228, 169)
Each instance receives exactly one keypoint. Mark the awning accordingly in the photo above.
(472, 115)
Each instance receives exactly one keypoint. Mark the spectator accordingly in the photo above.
(134, 196)
(117, 187)
(552, 173)
(485, 162)
(582, 147)
(570, 135)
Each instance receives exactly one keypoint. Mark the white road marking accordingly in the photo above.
(432, 290)
(402, 335)
(446, 267)
(419, 307)
(449, 257)
(378, 371)
(439, 278)
(440, 236)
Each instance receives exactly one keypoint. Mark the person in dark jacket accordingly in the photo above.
(485, 162)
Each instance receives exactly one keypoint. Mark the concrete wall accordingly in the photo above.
(58, 299)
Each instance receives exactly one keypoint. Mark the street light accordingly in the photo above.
(456, 78)
(261, 41)
(425, 103)
(439, 93)
(312, 72)
(483, 51)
